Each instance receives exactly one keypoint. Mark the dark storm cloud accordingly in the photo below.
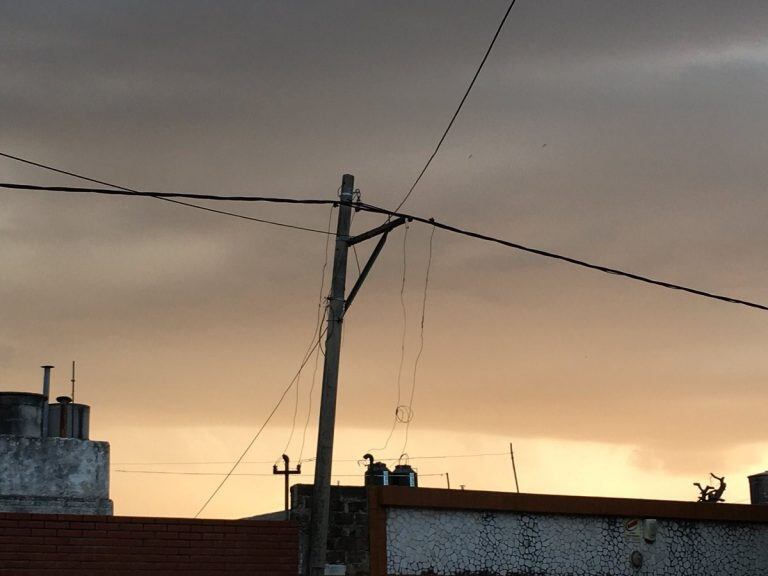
(162, 62)
(627, 132)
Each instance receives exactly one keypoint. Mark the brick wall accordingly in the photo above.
(87, 545)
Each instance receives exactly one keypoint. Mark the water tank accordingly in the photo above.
(758, 488)
(377, 474)
(404, 475)
(68, 420)
(21, 414)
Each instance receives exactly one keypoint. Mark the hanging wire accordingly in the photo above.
(397, 415)
(355, 198)
(295, 413)
(321, 314)
(258, 432)
(405, 318)
(421, 341)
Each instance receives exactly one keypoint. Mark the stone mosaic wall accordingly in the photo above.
(471, 543)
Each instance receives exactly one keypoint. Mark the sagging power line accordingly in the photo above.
(421, 343)
(335, 460)
(182, 473)
(128, 191)
(358, 205)
(561, 257)
(237, 462)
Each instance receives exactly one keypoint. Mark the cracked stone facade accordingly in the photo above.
(472, 543)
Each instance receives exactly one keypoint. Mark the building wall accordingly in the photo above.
(116, 546)
(347, 527)
(54, 475)
(51, 505)
(452, 533)
(468, 542)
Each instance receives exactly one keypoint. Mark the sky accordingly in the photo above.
(629, 134)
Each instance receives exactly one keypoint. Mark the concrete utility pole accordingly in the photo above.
(337, 308)
(318, 536)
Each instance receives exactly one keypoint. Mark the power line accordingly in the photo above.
(316, 334)
(458, 109)
(464, 232)
(121, 190)
(260, 430)
(314, 344)
(340, 460)
(309, 402)
(182, 473)
(396, 417)
(555, 256)
(482, 454)
(321, 311)
(295, 413)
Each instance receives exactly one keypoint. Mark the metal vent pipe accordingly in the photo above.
(46, 394)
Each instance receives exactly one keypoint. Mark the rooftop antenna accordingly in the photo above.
(73, 380)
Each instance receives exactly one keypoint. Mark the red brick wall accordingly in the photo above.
(115, 546)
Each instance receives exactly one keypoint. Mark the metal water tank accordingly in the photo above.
(68, 420)
(21, 414)
(377, 475)
(758, 488)
(404, 475)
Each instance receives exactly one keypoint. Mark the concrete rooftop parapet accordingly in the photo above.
(48, 472)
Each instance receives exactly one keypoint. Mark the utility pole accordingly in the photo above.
(318, 535)
(337, 308)
(514, 468)
(287, 473)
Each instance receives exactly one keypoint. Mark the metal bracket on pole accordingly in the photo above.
(364, 273)
(383, 229)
